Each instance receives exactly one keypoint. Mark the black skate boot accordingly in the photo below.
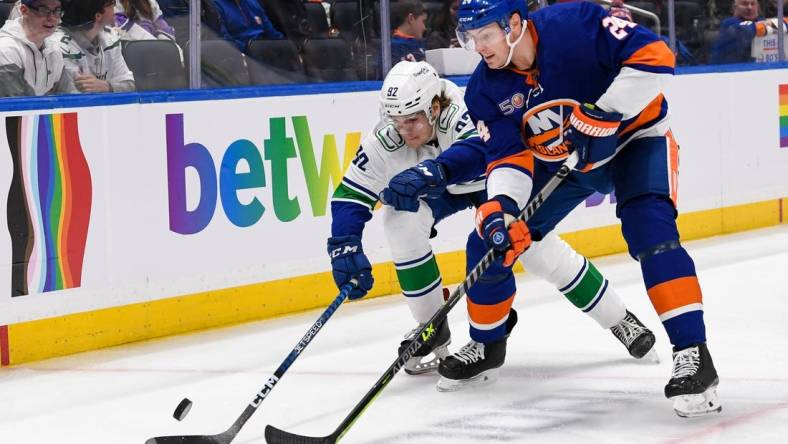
(693, 384)
(437, 344)
(635, 336)
(476, 363)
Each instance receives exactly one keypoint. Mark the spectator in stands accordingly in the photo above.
(141, 20)
(30, 59)
(442, 34)
(408, 20)
(91, 50)
(683, 55)
(736, 33)
(243, 21)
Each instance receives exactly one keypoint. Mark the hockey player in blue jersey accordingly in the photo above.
(423, 116)
(571, 78)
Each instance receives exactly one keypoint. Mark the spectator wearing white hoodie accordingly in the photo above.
(30, 59)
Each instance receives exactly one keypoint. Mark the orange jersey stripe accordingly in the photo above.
(649, 113)
(489, 314)
(523, 159)
(654, 54)
(675, 293)
(673, 165)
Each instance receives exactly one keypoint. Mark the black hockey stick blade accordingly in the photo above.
(191, 439)
(274, 435)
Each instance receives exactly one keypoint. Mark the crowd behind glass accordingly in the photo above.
(99, 46)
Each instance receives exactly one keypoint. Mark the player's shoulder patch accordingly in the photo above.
(387, 137)
(447, 117)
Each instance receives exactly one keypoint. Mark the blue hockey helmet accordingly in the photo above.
(473, 14)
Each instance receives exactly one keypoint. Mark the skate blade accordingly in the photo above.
(427, 364)
(453, 385)
(652, 357)
(701, 404)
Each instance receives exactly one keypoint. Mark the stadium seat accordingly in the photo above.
(274, 62)
(346, 17)
(156, 64)
(5, 9)
(329, 60)
(367, 59)
(223, 65)
(317, 18)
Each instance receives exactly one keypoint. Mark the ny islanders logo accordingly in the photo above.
(49, 203)
(543, 129)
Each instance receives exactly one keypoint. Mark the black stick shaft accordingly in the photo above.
(455, 297)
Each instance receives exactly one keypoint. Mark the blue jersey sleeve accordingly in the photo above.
(464, 160)
(620, 43)
(348, 218)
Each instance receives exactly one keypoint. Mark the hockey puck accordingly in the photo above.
(182, 410)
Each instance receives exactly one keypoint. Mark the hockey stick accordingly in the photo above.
(229, 434)
(274, 435)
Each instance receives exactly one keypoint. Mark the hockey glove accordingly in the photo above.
(348, 261)
(593, 133)
(425, 180)
(492, 218)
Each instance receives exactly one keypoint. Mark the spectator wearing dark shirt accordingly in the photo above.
(734, 41)
(442, 33)
(409, 21)
(243, 21)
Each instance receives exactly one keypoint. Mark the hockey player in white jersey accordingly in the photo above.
(423, 116)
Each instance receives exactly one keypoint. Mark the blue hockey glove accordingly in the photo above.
(425, 180)
(348, 261)
(593, 133)
(491, 225)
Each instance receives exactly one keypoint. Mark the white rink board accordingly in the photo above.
(730, 155)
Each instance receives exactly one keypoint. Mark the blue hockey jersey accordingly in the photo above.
(582, 55)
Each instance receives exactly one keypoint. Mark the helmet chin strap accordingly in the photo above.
(513, 44)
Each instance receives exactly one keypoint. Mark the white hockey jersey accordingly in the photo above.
(383, 154)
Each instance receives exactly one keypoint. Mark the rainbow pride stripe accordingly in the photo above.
(784, 116)
(49, 202)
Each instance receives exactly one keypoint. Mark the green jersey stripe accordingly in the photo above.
(418, 278)
(345, 193)
(587, 287)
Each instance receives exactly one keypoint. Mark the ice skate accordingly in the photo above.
(476, 363)
(636, 337)
(693, 384)
(428, 356)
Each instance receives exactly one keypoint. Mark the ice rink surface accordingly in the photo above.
(565, 379)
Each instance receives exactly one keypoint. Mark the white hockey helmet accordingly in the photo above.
(409, 88)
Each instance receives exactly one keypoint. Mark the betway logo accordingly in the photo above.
(224, 181)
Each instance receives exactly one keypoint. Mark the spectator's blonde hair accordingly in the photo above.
(135, 8)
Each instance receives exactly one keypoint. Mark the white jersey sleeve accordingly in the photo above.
(368, 173)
